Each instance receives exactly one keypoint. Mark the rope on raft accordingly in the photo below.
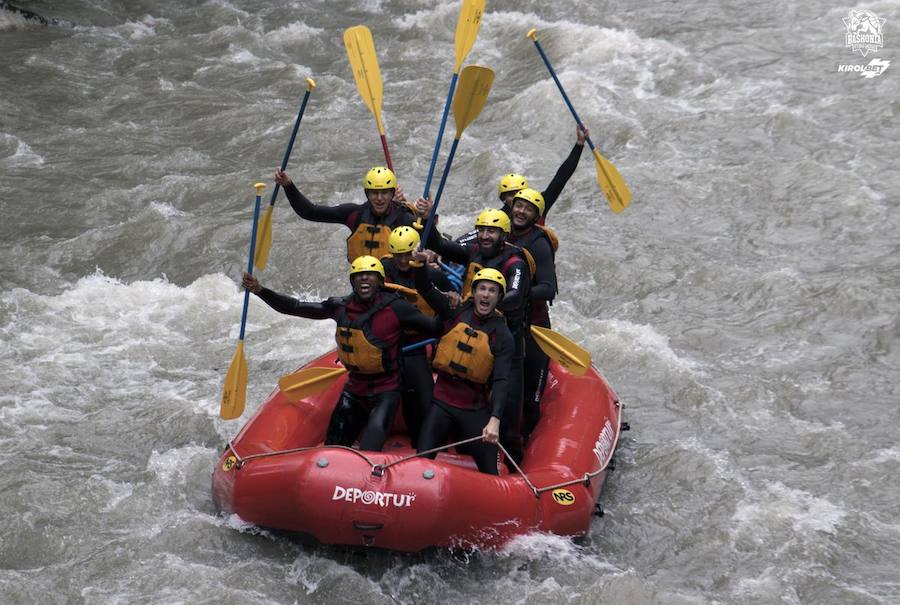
(378, 469)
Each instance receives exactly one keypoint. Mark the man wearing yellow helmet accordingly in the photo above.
(415, 369)
(512, 183)
(491, 250)
(370, 223)
(540, 242)
(369, 324)
(472, 362)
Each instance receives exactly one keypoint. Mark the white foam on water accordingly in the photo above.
(882, 456)
(638, 341)
(166, 210)
(723, 462)
(145, 28)
(560, 550)
(170, 466)
(242, 56)
(768, 586)
(23, 156)
(297, 31)
(778, 504)
(103, 340)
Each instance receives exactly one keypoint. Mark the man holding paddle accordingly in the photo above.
(369, 329)
(512, 183)
(370, 223)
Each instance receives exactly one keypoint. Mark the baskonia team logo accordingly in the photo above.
(864, 31)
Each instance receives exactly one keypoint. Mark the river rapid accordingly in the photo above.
(744, 307)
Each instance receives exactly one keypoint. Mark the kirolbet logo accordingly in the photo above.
(382, 499)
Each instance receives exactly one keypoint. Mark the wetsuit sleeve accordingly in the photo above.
(439, 280)
(543, 286)
(502, 349)
(436, 299)
(291, 306)
(563, 174)
(448, 249)
(517, 282)
(412, 318)
(317, 212)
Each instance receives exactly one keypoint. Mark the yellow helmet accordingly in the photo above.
(403, 239)
(380, 177)
(512, 182)
(365, 264)
(493, 218)
(532, 197)
(491, 275)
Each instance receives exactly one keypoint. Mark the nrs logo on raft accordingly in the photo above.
(382, 499)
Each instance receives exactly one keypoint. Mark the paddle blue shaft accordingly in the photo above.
(562, 91)
(437, 196)
(451, 270)
(440, 136)
(250, 264)
(417, 345)
(290, 147)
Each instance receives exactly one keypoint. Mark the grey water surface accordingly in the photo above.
(744, 307)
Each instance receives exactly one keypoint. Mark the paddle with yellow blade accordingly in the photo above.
(308, 381)
(235, 392)
(611, 182)
(562, 350)
(466, 31)
(364, 63)
(264, 235)
(474, 85)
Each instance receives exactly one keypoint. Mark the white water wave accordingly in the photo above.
(19, 154)
(778, 507)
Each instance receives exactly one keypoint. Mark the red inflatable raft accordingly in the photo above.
(276, 474)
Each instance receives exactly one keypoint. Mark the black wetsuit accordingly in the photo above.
(415, 370)
(368, 400)
(514, 307)
(462, 408)
(543, 291)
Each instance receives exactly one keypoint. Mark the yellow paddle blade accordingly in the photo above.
(471, 94)
(562, 350)
(364, 63)
(308, 381)
(235, 392)
(467, 29)
(263, 239)
(612, 184)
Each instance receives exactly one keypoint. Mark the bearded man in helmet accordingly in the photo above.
(370, 223)
(490, 250)
(369, 330)
(472, 362)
